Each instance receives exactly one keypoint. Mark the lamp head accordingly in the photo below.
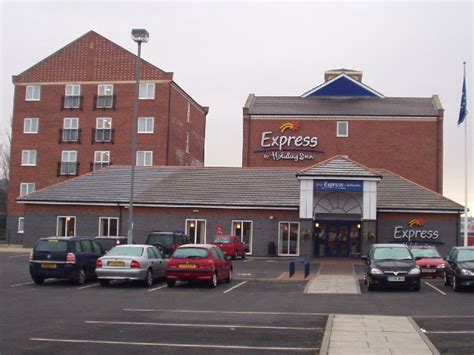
(140, 35)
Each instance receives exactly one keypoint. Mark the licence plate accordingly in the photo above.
(187, 266)
(396, 278)
(49, 266)
(428, 270)
(115, 263)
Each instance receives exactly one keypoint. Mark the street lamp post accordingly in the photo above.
(140, 36)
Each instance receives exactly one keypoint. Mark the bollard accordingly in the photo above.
(303, 261)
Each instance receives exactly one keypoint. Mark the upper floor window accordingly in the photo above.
(28, 157)
(188, 113)
(33, 93)
(101, 159)
(103, 132)
(68, 165)
(30, 125)
(146, 124)
(105, 96)
(70, 131)
(146, 91)
(72, 97)
(27, 188)
(144, 158)
(342, 129)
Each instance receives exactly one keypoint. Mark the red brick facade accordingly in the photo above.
(89, 61)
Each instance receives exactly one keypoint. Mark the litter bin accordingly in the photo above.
(271, 249)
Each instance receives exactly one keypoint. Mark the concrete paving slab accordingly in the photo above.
(333, 284)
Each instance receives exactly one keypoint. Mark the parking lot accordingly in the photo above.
(259, 312)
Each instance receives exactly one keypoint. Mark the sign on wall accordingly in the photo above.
(286, 145)
(338, 185)
(415, 230)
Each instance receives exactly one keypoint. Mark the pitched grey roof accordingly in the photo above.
(341, 166)
(343, 106)
(221, 187)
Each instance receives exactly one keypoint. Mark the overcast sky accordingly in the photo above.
(222, 51)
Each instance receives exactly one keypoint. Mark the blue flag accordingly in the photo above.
(463, 110)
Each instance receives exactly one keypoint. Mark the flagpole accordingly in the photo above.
(466, 161)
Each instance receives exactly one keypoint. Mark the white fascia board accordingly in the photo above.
(417, 211)
(340, 117)
(338, 177)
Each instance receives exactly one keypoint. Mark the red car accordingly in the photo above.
(198, 262)
(429, 261)
(230, 245)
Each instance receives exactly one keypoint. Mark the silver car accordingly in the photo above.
(131, 262)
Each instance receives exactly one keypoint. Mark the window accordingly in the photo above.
(103, 132)
(101, 159)
(26, 188)
(288, 238)
(144, 158)
(21, 224)
(68, 162)
(187, 142)
(108, 226)
(28, 157)
(244, 230)
(146, 91)
(70, 130)
(105, 97)
(72, 97)
(188, 114)
(33, 93)
(30, 125)
(196, 229)
(146, 124)
(66, 226)
(343, 129)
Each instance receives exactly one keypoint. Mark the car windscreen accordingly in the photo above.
(223, 240)
(425, 253)
(52, 245)
(125, 251)
(389, 253)
(163, 239)
(466, 255)
(190, 253)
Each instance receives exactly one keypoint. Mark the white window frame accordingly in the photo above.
(279, 239)
(21, 225)
(33, 93)
(149, 128)
(67, 220)
(233, 232)
(146, 91)
(101, 154)
(100, 234)
(28, 157)
(188, 113)
(102, 121)
(29, 123)
(187, 142)
(67, 154)
(103, 88)
(193, 237)
(342, 123)
(73, 87)
(145, 154)
(27, 188)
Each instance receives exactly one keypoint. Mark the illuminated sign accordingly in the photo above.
(338, 185)
(288, 147)
(415, 230)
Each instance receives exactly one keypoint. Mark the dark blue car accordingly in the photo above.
(64, 258)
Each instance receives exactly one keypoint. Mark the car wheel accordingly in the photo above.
(234, 257)
(38, 280)
(104, 283)
(229, 277)
(417, 287)
(445, 279)
(80, 277)
(365, 279)
(148, 278)
(243, 255)
(370, 287)
(213, 282)
(456, 285)
(171, 283)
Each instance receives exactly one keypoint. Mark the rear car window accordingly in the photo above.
(190, 253)
(425, 253)
(127, 251)
(392, 254)
(223, 240)
(51, 245)
(163, 239)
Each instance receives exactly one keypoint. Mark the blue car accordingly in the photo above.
(64, 258)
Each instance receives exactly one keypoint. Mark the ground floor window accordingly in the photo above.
(108, 226)
(196, 229)
(21, 224)
(244, 230)
(288, 238)
(66, 226)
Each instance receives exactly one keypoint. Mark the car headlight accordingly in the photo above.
(375, 271)
(466, 272)
(440, 266)
(414, 271)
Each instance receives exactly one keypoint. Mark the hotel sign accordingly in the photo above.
(415, 231)
(338, 185)
(288, 147)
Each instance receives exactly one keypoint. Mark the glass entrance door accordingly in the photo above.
(336, 238)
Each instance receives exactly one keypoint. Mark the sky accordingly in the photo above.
(222, 51)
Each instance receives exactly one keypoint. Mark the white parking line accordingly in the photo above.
(174, 345)
(204, 325)
(83, 287)
(222, 312)
(17, 256)
(25, 283)
(233, 288)
(435, 288)
(443, 316)
(157, 288)
(448, 332)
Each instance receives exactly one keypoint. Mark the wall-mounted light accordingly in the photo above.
(358, 225)
(271, 217)
(317, 225)
(195, 211)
